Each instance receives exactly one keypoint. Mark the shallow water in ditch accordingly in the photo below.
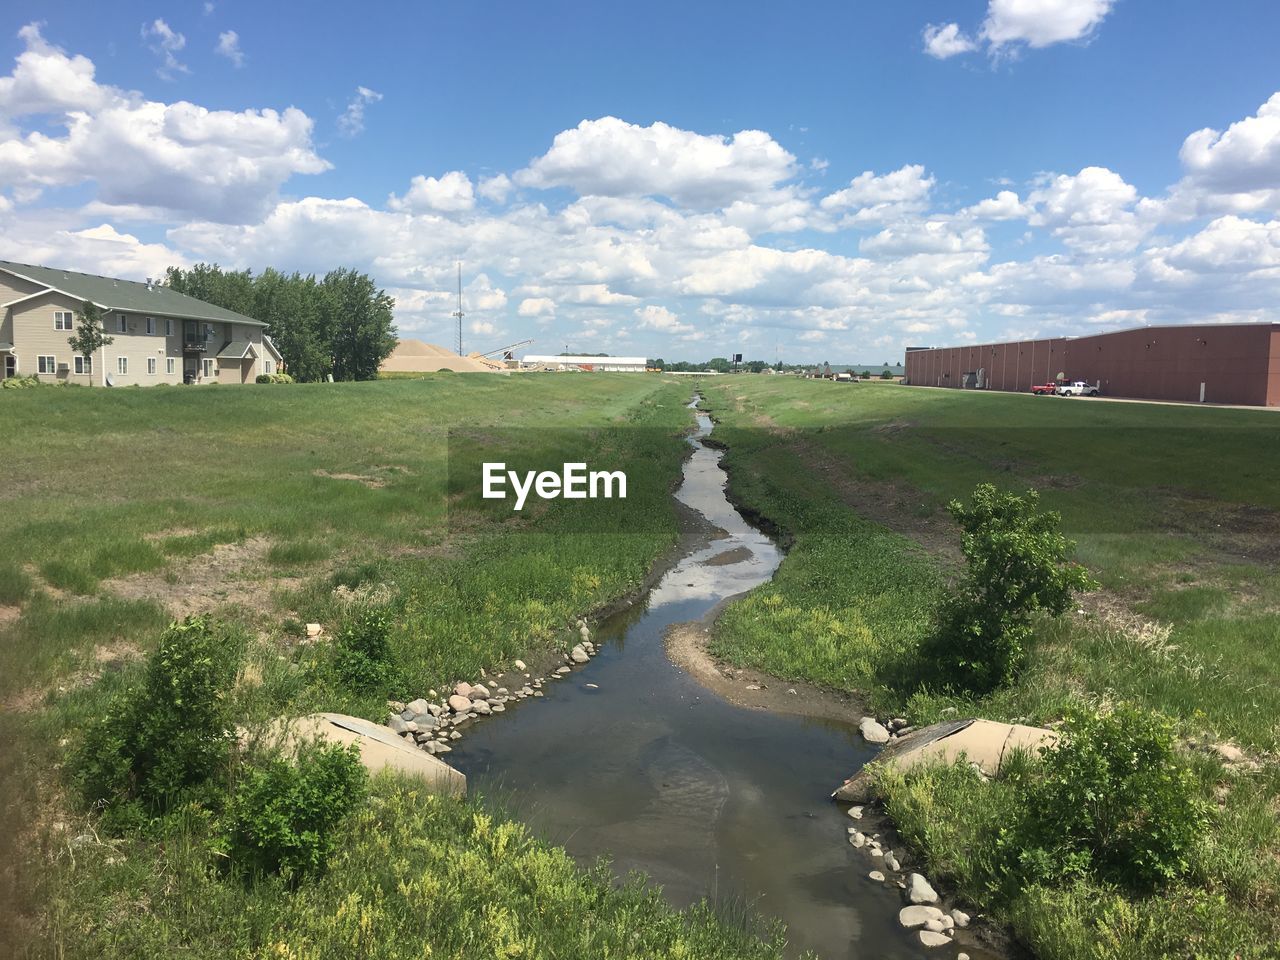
(661, 775)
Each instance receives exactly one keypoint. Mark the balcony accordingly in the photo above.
(194, 345)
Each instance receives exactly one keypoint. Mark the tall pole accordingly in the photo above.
(458, 313)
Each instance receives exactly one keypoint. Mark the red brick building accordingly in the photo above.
(1210, 363)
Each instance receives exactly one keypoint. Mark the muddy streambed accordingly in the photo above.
(657, 773)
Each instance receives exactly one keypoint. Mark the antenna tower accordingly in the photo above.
(458, 313)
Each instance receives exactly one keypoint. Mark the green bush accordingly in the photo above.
(1111, 800)
(171, 735)
(1016, 567)
(886, 375)
(284, 815)
(20, 383)
(273, 378)
(362, 655)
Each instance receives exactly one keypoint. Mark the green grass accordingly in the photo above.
(341, 489)
(1175, 512)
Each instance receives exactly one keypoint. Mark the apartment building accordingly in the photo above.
(158, 335)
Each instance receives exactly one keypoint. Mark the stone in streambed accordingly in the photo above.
(931, 938)
(398, 725)
(479, 692)
(417, 706)
(578, 655)
(960, 918)
(463, 689)
(918, 915)
(919, 890)
(872, 730)
(460, 703)
(521, 666)
(877, 876)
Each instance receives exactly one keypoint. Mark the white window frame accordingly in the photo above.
(122, 366)
(63, 320)
(151, 366)
(268, 367)
(122, 323)
(151, 326)
(41, 365)
(207, 369)
(170, 365)
(83, 365)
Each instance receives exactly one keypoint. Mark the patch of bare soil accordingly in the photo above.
(8, 615)
(231, 573)
(687, 647)
(371, 482)
(736, 555)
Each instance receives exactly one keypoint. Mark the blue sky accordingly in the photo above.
(824, 181)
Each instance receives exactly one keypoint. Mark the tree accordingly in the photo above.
(719, 364)
(89, 336)
(1017, 565)
(363, 326)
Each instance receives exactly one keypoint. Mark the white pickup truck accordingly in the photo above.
(1077, 388)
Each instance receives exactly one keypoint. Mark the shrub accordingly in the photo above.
(362, 655)
(886, 375)
(20, 383)
(273, 378)
(1017, 566)
(1111, 799)
(171, 734)
(284, 815)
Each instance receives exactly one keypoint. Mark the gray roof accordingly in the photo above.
(235, 350)
(114, 294)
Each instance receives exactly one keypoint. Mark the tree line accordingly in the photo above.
(341, 325)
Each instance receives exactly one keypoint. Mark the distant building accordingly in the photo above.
(158, 335)
(1237, 363)
(596, 364)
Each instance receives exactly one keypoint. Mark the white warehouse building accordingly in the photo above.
(605, 364)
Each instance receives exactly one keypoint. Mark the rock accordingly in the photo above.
(579, 655)
(527, 690)
(919, 891)
(918, 916)
(426, 721)
(792, 691)
(934, 924)
(962, 956)
(502, 691)
(855, 813)
(454, 735)
(580, 623)
(443, 748)
(872, 731)
(584, 633)
(314, 630)
(411, 727)
(431, 747)
(960, 918)
(904, 731)
(479, 692)
(434, 709)
(395, 706)
(463, 689)
(521, 666)
(538, 693)
(398, 725)
(481, 707)
(877, 876)
(753, 686)
(561, 671)
(417, 706)
(459, 703)
(891, 862)
(406, 714)
(897, 723)
(858, 839)
(497, 708)
(931, 938)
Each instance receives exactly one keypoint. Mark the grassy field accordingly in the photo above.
(269, 507)
(1176, 512)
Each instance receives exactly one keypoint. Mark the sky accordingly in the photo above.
(810, 181)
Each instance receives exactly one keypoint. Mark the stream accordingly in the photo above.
(659, 774)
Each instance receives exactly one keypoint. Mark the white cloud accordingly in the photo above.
(943, 40)
(1227, 245)
(451, 193)
(870, 197)
(351, 120)
(1092, 212)
(1040, 23)
(613, 158)
(1012, 24)
(663, 321)
(537, 307)
(140, 153)
(229, 47)
(923, 237)
(1005, 205)
(165, 43)
(495, 189)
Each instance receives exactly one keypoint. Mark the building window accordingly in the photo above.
(268, 366)
(122, 365)
(169, 365)
(168, 329)
(151, 325)
(84, 364)
(208, 331)
(122, 325)
(208, 368)
(62, 320)
(46, 364)
(151, 365)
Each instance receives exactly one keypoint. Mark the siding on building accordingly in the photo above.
(1235, 363)
(35, 335)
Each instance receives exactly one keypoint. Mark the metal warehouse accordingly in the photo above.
(1206, 363)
